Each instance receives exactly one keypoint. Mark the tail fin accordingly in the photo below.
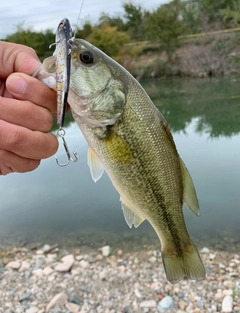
(189, 265)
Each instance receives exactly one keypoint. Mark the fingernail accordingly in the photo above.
(16, 85)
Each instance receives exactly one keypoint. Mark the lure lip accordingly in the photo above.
(63, 67)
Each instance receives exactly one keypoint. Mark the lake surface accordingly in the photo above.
(64, 206)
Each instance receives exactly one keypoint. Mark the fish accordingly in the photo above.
(131, 141)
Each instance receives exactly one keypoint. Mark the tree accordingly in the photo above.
(231, 14)
(109, 40)
(215, 10)
(112, 21)
(85, 31)
(40, 42)
(134, 17)
(191, 16)
(165, 25)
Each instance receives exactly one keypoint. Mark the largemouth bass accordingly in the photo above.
(130, 139)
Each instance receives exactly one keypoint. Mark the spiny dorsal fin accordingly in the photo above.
(189, 192)
(131, 217)
(95, 165)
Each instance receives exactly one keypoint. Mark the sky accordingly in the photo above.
(46, 14)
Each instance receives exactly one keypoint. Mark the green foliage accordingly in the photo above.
(39, 41)
(109, 40)
(191, 17)
(165, 26)
(226, 11)
(231, 14)
(85, 31)
(134, 17)
(113, 22)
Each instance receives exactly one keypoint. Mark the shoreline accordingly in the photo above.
(52, 279)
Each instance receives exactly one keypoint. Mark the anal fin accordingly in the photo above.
(131, 217)
(189, 192)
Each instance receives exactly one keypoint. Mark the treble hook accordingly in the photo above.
(61, 133)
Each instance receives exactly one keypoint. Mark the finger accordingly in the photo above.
(10, 162)
(25, 87)
(26, 114)
(27, 143)
(17, 58)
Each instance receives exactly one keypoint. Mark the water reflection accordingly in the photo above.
(216, 103)
(64, 205)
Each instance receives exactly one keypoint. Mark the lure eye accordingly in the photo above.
(86, 57)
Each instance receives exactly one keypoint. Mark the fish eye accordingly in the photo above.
(86, 57)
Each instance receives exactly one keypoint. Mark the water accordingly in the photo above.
(64, 205)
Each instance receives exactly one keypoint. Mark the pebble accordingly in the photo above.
(75, 299)
(39, 263)
(205, 250)
(15, 265)
(84, 264)
(182, 304)
(148, 304)
(66, 265)
(46, 248)
(227, 304)
(25, 296)
(25, 266)
(153, 259)
(137, 293)
(106, 250)
(72, 307)
(165, 304)
(228, 284)
(32, 309)
(58, 300)
(47, 271)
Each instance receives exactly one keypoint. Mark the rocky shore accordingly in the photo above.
(54, 280)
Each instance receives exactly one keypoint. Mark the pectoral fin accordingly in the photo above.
(131, 217)
(95, 165)
(189, 192)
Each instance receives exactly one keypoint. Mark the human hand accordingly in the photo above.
(26, 105)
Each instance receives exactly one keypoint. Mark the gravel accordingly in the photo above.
(55, 280)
